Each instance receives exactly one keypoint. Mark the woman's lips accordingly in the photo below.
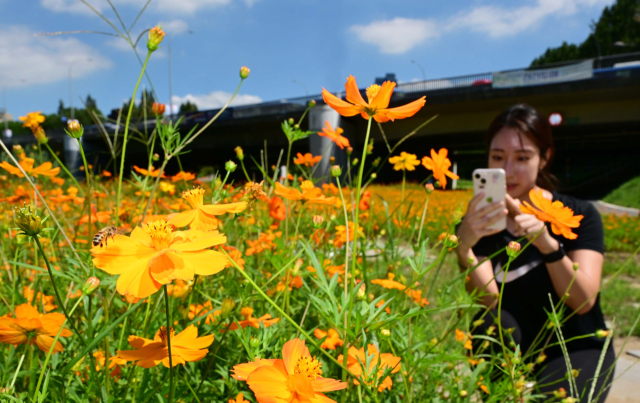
(511, 187)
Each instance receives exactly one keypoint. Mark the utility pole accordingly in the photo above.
(4, 102)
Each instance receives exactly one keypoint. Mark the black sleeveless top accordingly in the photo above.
(528, 284)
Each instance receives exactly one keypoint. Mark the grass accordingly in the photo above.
(627, 195)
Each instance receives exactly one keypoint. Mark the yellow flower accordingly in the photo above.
(404, 162)
(202, 217)
(32, 120)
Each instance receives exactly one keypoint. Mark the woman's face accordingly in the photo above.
(520, 159)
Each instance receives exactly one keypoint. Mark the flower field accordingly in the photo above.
(155, 286)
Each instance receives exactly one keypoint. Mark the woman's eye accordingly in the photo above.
(523, 159)
(496, 158)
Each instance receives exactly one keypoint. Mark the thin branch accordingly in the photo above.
(76, 32)
(139, 15)
(118, 15)
(103, 17)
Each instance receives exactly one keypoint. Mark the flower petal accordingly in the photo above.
(291, 353)
(404, 111)
(353, 93)
(340, 106)
(381, 101)
(182, 219)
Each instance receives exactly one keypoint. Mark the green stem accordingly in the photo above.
(357, 207)
(404, 180)
(64, 168)
(424, 214)
(345, 344)
(290, 320)
(171, 383)
(504, 280)
(286, 178)
(245, 171)
(55, 290)
(50, 352)
(88, 195)
(126, 133)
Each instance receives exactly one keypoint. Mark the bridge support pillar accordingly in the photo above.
(71, 153)
(323, 145)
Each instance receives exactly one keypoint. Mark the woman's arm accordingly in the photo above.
(479, 277)
(583, 292)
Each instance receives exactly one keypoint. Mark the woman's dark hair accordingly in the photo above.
(531, 123)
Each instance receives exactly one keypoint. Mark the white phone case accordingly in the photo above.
(493, 183)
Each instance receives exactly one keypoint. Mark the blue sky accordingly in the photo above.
(318, 43)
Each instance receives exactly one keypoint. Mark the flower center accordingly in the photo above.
(246, 312)
(162, 333)
(307, 185)
(309, 367)
(557, 204)
(160, 232)
(194, 197)
(372, 92)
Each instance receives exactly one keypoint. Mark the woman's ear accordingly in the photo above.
(544, 159)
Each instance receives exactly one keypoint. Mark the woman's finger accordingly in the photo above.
(490, 220)
(513, 205)
(474, 202)
(489, 208)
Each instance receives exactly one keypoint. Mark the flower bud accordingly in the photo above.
(317, 221)
(478, 322)
(18, 149)
(433, 341)
(336, 171)
(541, 358)
(602, 333)
(291, 121)
(230, 166)
(355, 162)
(158, 109)
(374, 175)
(155, 37)
(254, 342)
(74, 129)
(227, 307)
(156, 157)
(27, 220)
(429, 188)
(244, 72)
(296, 126)
(560, 393)
(513, 249)
(361, 294)
(437, 184)
(239, 153)
(575, 266)
(463, 393)
(385, 333)
(40, 135)
(312, 103)
(349, 150)
(451, 241)
(376, 162)
(332, 160)
(90, 285)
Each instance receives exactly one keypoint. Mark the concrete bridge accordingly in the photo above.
(597, 140)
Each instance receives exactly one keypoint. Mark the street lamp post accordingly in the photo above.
(306, 91)
(71, 87)
(424, 76)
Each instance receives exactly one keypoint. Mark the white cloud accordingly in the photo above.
(497, 22)
(174, 27)
(216, 99)
(398, 35)
(26, 59)
(172, 6)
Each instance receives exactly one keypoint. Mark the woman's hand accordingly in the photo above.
(528, 225)
(475, 224)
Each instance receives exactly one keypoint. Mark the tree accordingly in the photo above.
(616, 26)
(188, 107)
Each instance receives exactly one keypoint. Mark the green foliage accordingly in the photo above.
(188, 107)
(616, 24)
(627, 195)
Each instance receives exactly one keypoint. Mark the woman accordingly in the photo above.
(520, 142)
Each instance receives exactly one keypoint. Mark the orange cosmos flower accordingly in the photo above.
(439, 164)
(202, 217)
(106, 174)
(341, 234)
(357, 358)
(307, 159)
(554, 212)
(295, 378)
(238, 399)
(31, 326)
(186, 176)
(155, 255)
(27, 164)
(309, 193)
(334, 135)
(32, 120)
(330, 188)
(264, 242)
(332, 340)
(389, 283)
(96, 216)
(186, 346)
(378, 105)
(277, 209)
(202, 309)
(404, 162)
(249, 320)
(47, 301)
(158, 108)
(19, 195)
(153, 172)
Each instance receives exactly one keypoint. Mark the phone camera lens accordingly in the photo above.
(477, 176)
(483, 181)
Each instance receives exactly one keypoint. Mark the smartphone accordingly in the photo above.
(493, 183)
